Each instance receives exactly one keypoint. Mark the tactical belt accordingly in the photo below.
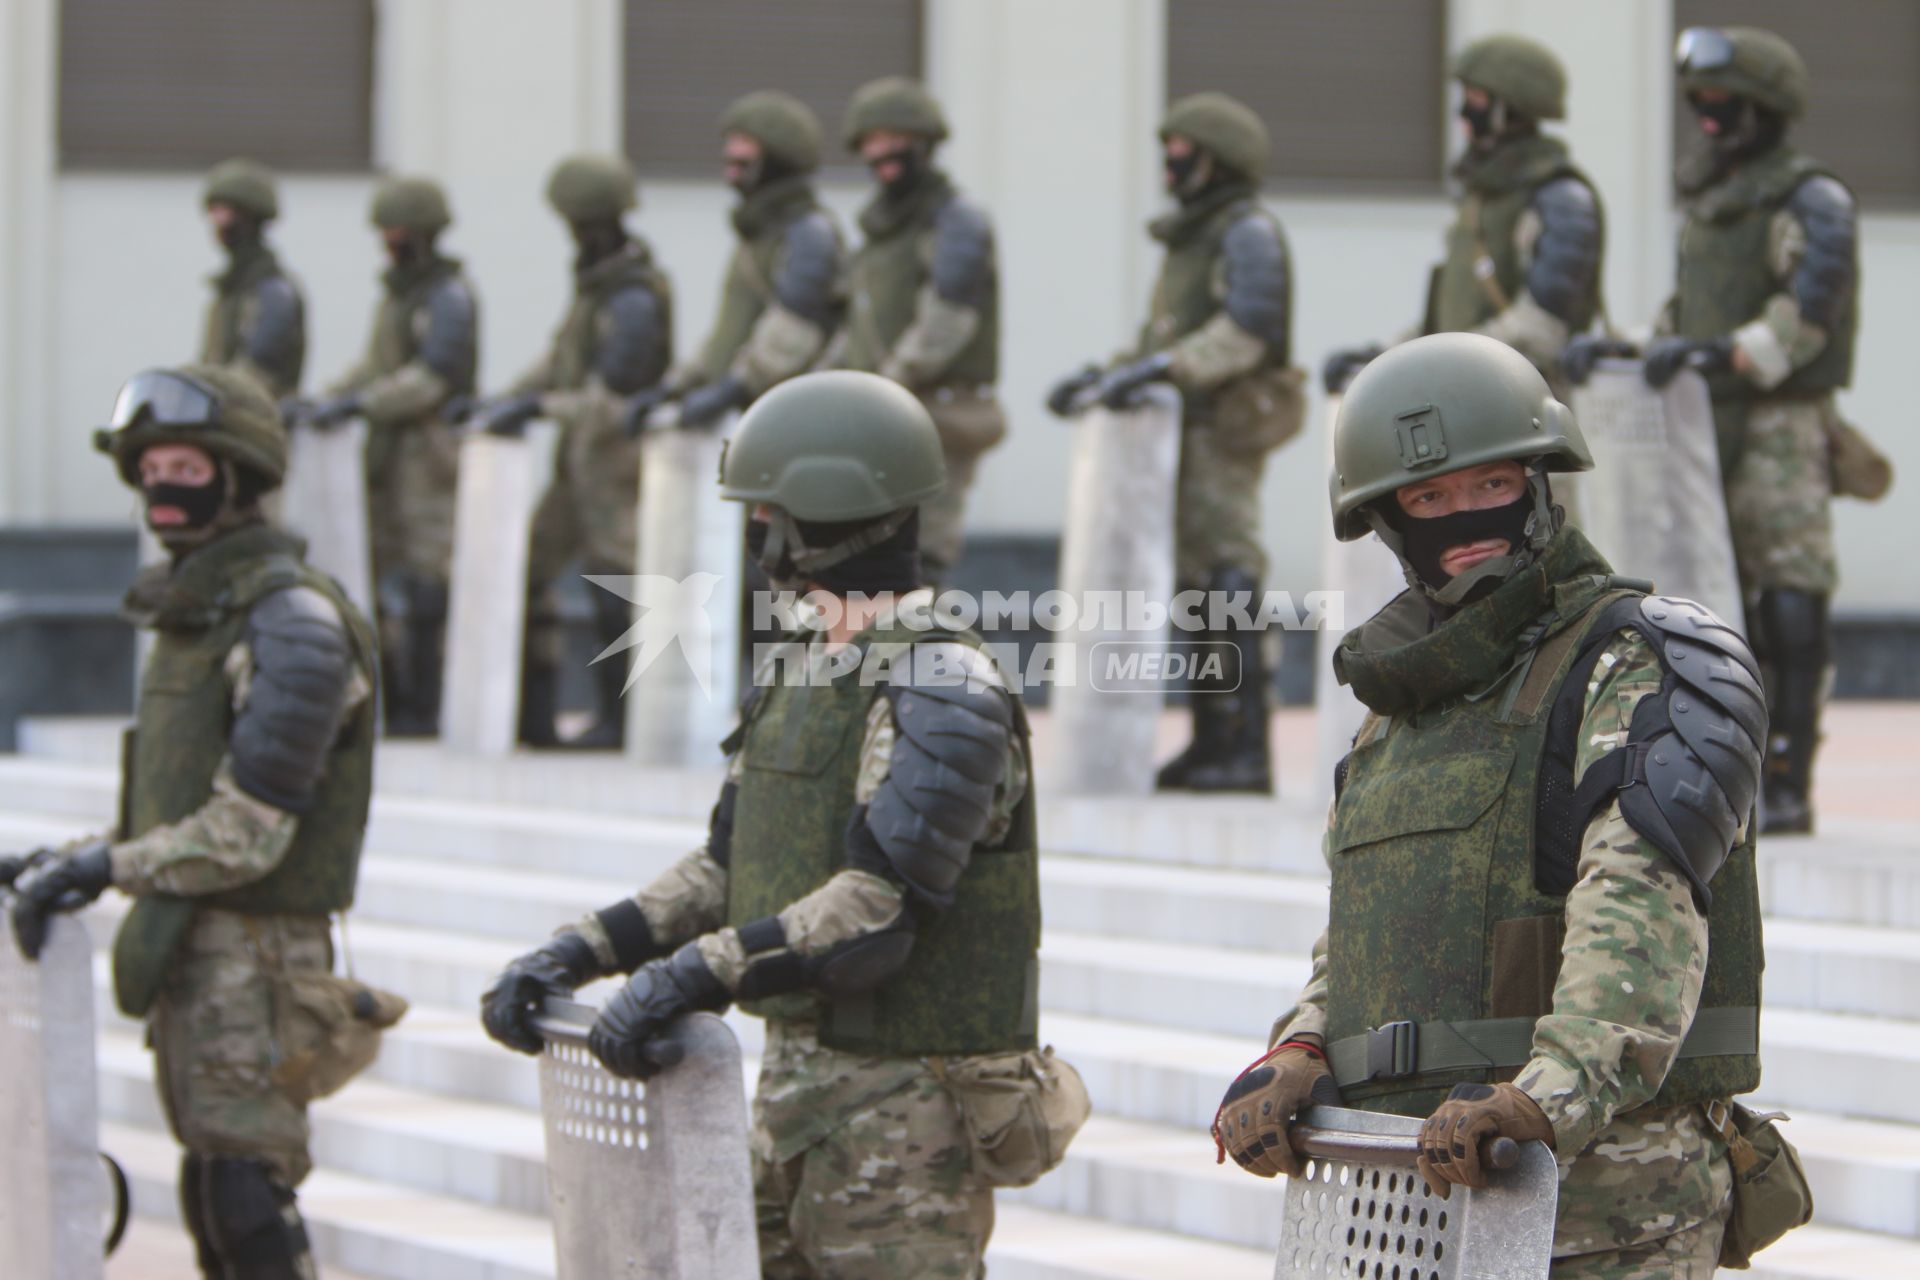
(1402, 1049)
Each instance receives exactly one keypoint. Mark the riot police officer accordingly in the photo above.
(868, 884)
(1524, 252)
(614, 341)
(257, 321)
(1220, 328)
(1766, 305)
(1544, 917)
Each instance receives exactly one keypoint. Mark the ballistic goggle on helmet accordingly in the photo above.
(222, 411)
(1746, 62)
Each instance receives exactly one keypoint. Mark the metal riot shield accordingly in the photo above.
(325, 502)
(501, 479)
(1653, 503)
(647, 1179)
(1362, 1210)
(53, 1195)
(1116, 555)
(681, 684)
(1367, 575)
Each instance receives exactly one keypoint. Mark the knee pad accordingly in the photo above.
(251, 1216)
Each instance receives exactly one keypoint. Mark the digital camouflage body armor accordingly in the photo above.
(1454, 841)
(181, 735)
(970, 984)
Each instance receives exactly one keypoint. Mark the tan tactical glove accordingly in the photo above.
(1473, 1115)
(1251, 1124)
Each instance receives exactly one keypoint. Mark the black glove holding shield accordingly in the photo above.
(627, 1037)
(58, 885)
(510, 1005)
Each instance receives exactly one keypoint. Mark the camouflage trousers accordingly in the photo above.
(1692, 1254)
(861, 1167)
(1216, 519)
(1780, 499)
(215, 1037)
(412, 477)
(588, 514)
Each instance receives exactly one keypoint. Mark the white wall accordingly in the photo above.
(1053, 104)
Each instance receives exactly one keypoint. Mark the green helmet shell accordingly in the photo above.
(1439, 404)
(835, 446)
(782, 124)
(1764, 68)
(410, 204)
(592, 187)
(897, 103)
(1224, 126)
(247, 185)
(1522, 72)
(247, 429)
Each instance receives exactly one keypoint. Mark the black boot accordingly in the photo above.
(254, 1222)
(193, 1215)
(415, 661)
(1792, 629)
(612, 618)
(1207, 710)
(1243, 760)
(539, 703)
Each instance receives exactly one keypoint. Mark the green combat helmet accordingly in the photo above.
(411, 204)
(1439, 404)
(246, 185)
(835, 446)
(222, 411)
(785, 127)
(1223, 126)
(592, 187)
(1521, 72)
(896, 103)
(1746, 62)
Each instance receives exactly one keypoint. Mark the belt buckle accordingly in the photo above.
(1392, 1051)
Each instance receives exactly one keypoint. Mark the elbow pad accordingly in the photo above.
(1259, 288)
(1829, 270)
(1566, 257)
(277, 339)
(451, 345)
(303, 666)
(633, 350)
(807, 282)
(963, 257)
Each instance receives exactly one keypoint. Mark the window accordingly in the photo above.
(187, 83)
(1863, 117)
(686, 62)
(1353, 92)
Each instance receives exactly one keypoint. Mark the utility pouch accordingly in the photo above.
(1860, 470)
(1262, 410)
(1770, 1192)
(1020, 1111)
(328, 1029)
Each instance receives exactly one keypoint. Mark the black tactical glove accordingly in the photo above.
(508, 1008)
(508, 415)
(659, 992)
(333, 411)
(1120, 386)
(704, 406)
(1587, 349)
(1251, 1124)
(294, 410)
(14, 865)
(1666, 357)
(456, 408)
(55, 885)
(1340, 367)
(1060, 400)
(633, 418)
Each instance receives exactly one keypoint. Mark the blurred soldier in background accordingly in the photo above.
(244, 803)
(257, 321)
(1765, 306)
(925, 295)
(615, 341)
(1220, 329)
(422, 355)
(1524, 252)
(868, 883)
(781, 300)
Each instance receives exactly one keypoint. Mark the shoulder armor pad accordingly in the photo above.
(1259, 292)
(1564, 276)
(277, 338)
(450, 344)
(1824, 282)
(1694, 749)
(954, 720)
(631, 353)
(302, 668)
(809, 275)
(963, 256)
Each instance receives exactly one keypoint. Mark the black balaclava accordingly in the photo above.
(1494, 123)
(1194, 175)
(597, 240)
(1747, 129)
(410, 250)
(1528, 524)
(1424, 540)
(914, 159)
(230, 499)
(764, 172)
(884, 554)
(242, 231)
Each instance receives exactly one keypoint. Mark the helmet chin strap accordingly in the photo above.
(1473, 583)
(790, 563)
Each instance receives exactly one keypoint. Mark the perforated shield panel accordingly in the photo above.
(1362, 1211)
(647, 1179)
